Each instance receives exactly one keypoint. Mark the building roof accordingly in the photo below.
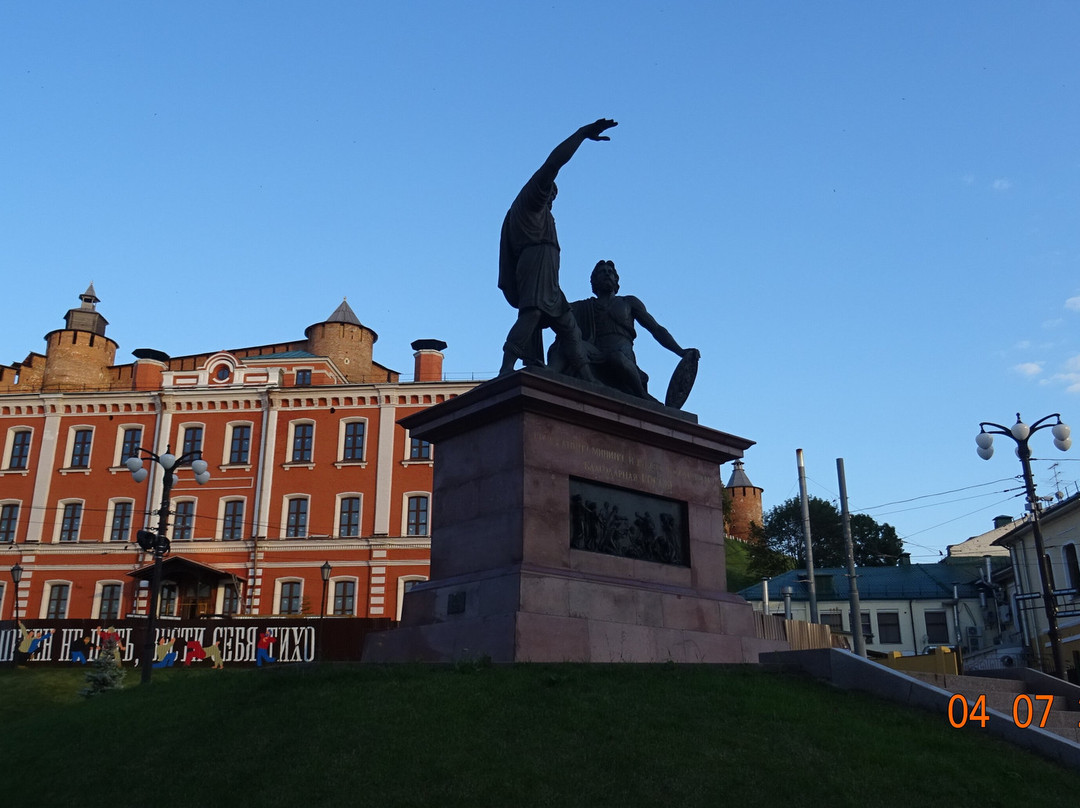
(344, 314)
(1020, 528)
(906, 581)
(283, 355)
(739, 478)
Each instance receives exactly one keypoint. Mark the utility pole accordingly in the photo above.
(856, 607)
(811, 582)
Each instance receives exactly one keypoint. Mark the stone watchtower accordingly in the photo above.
(78, 356)
(745, 500)
(346, 342)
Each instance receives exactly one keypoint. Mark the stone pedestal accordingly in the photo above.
(532, 469)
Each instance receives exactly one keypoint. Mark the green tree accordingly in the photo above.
(875, 545)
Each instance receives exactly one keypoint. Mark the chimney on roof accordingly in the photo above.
(905, 559)
(429, 358)
(1001, 521)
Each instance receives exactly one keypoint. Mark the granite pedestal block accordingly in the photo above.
(507, 581)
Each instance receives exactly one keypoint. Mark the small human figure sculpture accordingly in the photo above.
(529, 264)
(606, 323)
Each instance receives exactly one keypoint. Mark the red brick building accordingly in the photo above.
(308, 465)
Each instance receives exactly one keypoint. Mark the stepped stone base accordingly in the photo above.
(523, 467)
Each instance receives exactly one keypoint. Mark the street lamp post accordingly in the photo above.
(158, 542)
(1020, 433)
(325, 569)
(16, 576)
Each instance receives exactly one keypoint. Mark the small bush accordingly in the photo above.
(105, 672)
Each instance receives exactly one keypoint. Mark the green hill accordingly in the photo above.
(478, 735)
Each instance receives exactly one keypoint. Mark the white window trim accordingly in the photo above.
(285, 516)
(289, 462)
(18, 518)
(401, 581)
(277, 595)
(408, 460)
(9, 446)
(99, 588)
(106, 534)
(181, 428)
(1071, 584)
(60, 505)
(405, 514)
(226, 452)
(174, 585)
(67, 467)
(119, 447)
(337, 513)
(219, 533)
(46, 594)
(219, 600)
(341, 461)
(194, 517)
(331, 585)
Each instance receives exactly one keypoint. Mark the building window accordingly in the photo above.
(290, 598)
(345, 597)
(419, 449)
(69, 524)
(120, 529)
(937, 628)
(192, 440)
(183, 519)
(1072, 568)
(867, 629)
(240, 444)
(303, 378)
(80, 448)
(302, 439)
(232, 524)
(230, 599)
(888, 624)
(167, 601)
(354, 441)
(405, 585)
(129, 446)
(58, 602)
(417, 524)
(834, 620)
(110, 602)
(20, 449)
(296, 518)
(9, 520)
(349, 517)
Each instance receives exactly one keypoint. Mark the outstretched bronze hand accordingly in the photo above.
(593, 130)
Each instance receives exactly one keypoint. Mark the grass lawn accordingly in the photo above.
(474, 735)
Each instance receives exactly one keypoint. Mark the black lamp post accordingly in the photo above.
(325, 569)
(1020, 433)
(16, 576)
(158, 543)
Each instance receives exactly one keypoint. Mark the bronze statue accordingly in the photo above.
(606, 324)
(529, 265)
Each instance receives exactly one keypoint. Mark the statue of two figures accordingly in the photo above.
(594, 338)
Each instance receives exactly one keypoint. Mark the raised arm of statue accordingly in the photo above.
(562, 153)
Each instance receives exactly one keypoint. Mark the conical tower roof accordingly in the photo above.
(739, 478)
(344, 314)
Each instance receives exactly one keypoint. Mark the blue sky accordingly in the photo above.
(865, 215)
